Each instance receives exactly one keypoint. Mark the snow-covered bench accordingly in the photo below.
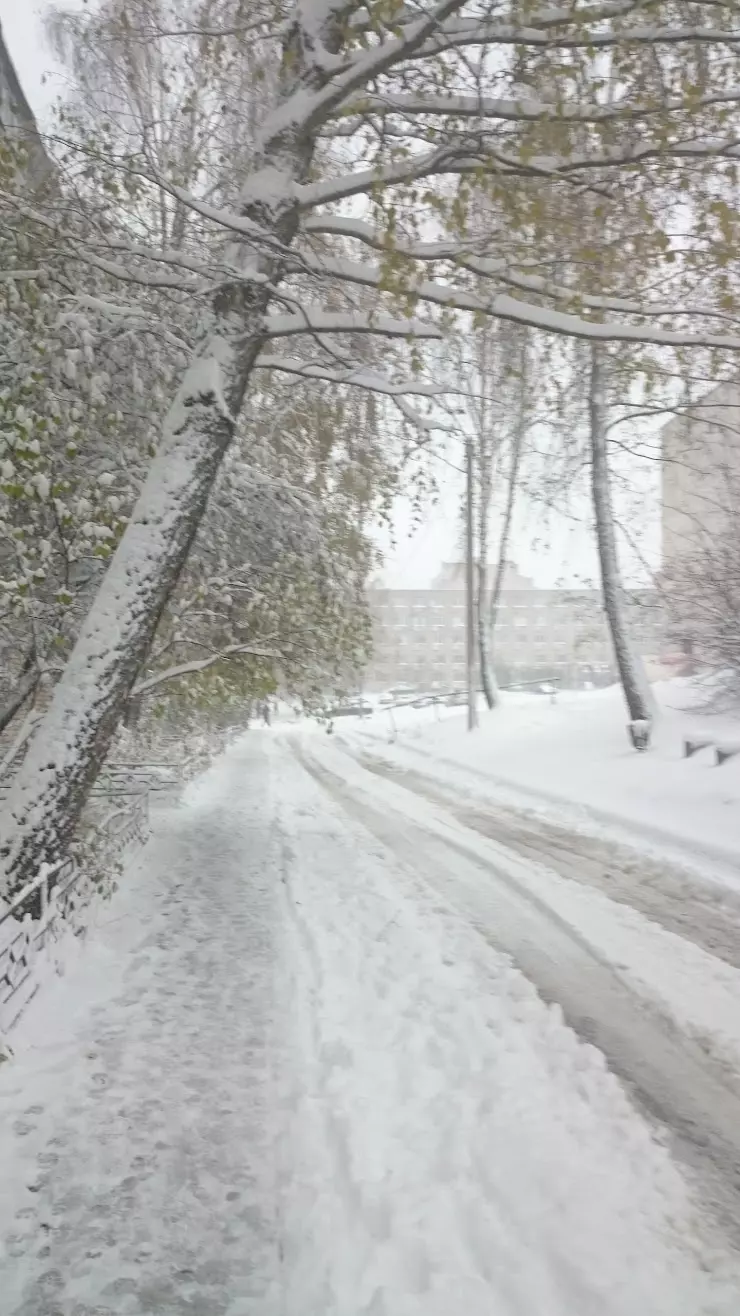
(727, 750)
(722, 750)
(692, 747)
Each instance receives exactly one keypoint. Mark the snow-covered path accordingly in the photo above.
(287, 1078)
(135, 1172)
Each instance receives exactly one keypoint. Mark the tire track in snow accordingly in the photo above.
(668, 1074)
(701, 911)
(456, 1146)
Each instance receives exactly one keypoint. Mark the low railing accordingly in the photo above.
(118, 814)
(159, 778)
(26, 924)
(129, 821)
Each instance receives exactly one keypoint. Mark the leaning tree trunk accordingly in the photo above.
(636, 692)
(67, 751)
(65, 756)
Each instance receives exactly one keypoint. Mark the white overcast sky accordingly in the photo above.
(559, 553)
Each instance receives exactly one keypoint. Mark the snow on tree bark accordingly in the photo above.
(64, 758)
(517, 449)
(488, 679)
(63, 761)
(332, 52)
(636, 694)
(487, 672)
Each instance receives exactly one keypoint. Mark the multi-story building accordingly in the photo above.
(700, 473)
(419, 635)
(700, 512)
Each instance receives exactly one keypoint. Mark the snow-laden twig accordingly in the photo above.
(464, 256)
(358, 377)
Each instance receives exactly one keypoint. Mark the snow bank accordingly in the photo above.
(574, 755)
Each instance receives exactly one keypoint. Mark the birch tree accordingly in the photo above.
(634, 685)
(370, 133)
(495, 376)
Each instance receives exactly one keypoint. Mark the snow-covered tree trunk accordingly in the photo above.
(487, 671)
(517, 448)
(488, 679)
(636, 692)
(511, 491)
(498, 580)
(88, 701)
(64, 758)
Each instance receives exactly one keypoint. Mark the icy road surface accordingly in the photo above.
(290, 1076)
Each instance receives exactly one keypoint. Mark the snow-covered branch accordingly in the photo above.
(11, 276)
(198, 665)
(529, 109)
(25, 686)
(308, 112)
(24, 734)
(347, 322)
(504, 307)
(461, 253)
(472, 32)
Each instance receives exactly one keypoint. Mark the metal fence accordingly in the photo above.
(22, 935)
(118, 816)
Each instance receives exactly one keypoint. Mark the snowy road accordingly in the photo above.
(706, 913)
(668, 1072)
(290, 1077)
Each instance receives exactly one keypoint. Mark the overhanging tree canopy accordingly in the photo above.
(342, 210)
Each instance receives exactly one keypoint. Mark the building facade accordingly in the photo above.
(700, 474)
(700, 509)
(419, 635)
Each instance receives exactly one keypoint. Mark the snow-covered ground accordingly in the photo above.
(574, 755)
(134, 1118)
(289, 1077)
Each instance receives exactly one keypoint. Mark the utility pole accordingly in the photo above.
(469, 588)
